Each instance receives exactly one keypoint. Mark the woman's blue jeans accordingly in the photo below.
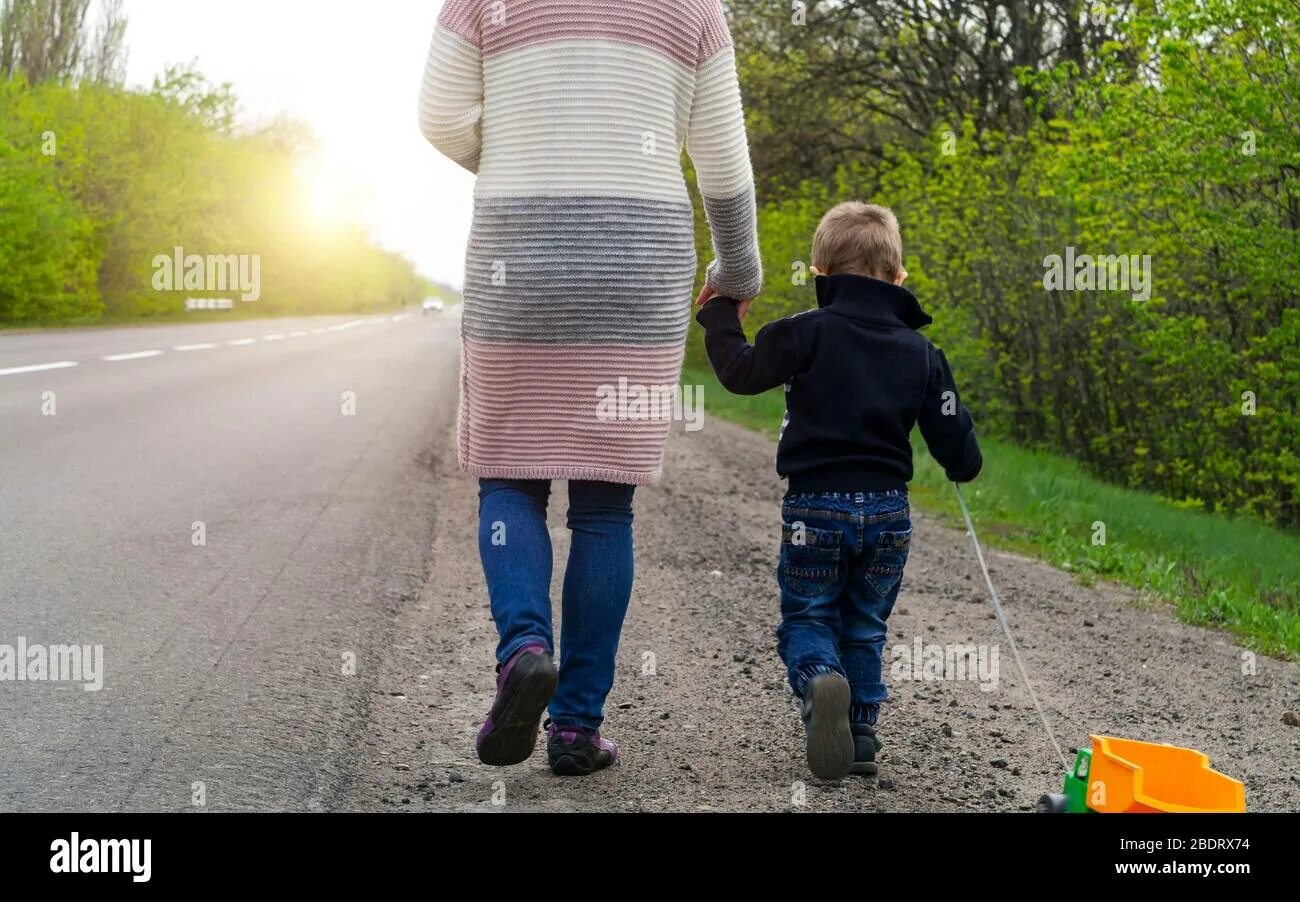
(515, 546)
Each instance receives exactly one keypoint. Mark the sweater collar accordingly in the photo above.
(863, 297)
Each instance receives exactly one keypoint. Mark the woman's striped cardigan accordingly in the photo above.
(581, 261)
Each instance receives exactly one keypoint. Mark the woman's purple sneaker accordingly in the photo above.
(524, 689)
(578, 752)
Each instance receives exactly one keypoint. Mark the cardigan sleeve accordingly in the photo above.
(719, 149)
(451, 96)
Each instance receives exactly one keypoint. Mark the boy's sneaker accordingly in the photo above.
(524, 689)
(865, 746)
(578, 752)
(826, 724)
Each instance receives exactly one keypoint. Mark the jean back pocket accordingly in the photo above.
(810, 559)
(889, 557)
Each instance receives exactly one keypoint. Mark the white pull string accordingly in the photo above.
(1006, 630)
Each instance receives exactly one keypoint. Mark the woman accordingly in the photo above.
(578, 275)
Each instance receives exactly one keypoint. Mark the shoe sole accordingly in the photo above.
(514, 730)
(830, 740)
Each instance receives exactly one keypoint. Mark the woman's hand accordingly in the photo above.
(709, 293)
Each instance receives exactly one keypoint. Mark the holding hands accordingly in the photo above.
(742, 306)
(709, 293)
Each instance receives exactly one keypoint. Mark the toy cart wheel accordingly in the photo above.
(1053, 803)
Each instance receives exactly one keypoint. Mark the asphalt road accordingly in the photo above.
(239, 655)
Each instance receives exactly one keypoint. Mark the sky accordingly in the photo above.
(351, 72)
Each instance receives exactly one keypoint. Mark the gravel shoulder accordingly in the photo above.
(700, 705)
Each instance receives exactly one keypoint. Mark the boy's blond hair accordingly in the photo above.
(861, 239)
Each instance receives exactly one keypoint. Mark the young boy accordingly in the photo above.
(858, 377)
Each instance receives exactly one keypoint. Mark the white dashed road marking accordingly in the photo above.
(138, 355)
(205, 346)
(38, 368)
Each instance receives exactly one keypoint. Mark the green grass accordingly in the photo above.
(1236, 575)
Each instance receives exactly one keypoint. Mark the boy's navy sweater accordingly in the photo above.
(858, 377)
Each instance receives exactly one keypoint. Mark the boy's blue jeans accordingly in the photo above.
(842, 560)
(515, 546)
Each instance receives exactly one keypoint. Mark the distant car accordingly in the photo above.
(431, 305)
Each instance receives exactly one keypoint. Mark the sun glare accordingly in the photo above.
(331, 197)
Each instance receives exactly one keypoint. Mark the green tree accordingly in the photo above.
(47, 261)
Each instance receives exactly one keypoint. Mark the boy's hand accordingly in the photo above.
(709, 293)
